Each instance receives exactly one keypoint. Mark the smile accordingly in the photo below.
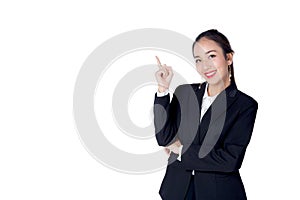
(210, 74)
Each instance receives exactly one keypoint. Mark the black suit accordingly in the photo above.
(214, 148)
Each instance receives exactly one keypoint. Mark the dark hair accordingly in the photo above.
(222, 41)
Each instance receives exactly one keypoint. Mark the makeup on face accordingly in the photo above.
(210, 61)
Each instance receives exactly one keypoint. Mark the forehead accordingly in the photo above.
(204, 45)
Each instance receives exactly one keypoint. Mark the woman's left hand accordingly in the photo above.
(174, 147)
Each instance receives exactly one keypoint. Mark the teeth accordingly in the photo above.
(211, 73)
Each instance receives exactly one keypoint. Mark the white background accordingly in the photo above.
(44, 44)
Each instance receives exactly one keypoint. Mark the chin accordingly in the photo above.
(212, 81)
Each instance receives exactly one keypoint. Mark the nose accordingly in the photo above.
(206, 64)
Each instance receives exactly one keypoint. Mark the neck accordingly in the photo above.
(214, 89)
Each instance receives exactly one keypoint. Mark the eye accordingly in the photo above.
(211, 56)
(197, 60)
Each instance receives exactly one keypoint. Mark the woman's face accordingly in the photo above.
(211, 63)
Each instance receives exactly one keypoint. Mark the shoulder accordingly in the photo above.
(187, 87)
(184, 91)
(246, 101)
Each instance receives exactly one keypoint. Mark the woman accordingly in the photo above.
(206, 128)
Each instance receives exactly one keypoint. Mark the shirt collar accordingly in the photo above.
(206, 93)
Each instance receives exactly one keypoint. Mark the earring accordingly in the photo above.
(229, 70)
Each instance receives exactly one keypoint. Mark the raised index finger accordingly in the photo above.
(158, 62)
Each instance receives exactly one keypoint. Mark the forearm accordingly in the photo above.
(220, 160)
(165, 119)
(228, 154)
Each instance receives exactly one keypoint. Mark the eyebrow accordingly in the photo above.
(206, 53)
(210, 51)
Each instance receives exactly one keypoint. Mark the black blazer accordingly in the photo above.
(214, 147)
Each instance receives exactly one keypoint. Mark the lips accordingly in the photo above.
(210, 73)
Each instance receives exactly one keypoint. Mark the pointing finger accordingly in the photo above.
(158, 62)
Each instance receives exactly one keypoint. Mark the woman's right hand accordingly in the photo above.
(163, 76)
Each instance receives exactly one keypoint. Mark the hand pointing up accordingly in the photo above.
(163, 76)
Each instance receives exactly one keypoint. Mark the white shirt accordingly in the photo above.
(206, 103)
(161, 94)
(206, 100)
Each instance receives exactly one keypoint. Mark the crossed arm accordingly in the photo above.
(225, 158)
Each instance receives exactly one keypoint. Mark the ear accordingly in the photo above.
(229, 58)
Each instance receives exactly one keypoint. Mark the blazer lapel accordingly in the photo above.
(223, 102)
(213, 120)
(199, 90)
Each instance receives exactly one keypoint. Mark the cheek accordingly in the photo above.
(223, 71)
(221, 66)
(199, 68)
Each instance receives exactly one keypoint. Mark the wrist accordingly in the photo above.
(162, 88)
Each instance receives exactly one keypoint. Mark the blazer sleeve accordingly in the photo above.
(229, 156)
(166, 119)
